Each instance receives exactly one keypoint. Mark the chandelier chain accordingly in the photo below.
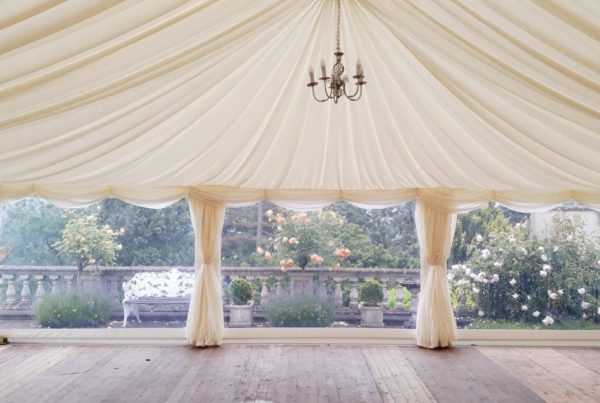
(339, 12)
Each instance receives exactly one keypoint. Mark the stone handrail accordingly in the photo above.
(26, 284)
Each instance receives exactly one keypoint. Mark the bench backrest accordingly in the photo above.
(168, 284)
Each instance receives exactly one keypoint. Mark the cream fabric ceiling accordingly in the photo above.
(466, 101)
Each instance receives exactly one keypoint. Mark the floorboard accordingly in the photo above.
(289, 373)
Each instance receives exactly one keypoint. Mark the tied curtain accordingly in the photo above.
(436, 326)
(205, 317)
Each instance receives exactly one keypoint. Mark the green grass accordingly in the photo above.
(564, 324)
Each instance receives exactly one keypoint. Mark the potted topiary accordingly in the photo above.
(371, 312)
(240, 312)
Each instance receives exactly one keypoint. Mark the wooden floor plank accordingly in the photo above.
(414, 389)
(465, 372)
(588, 357)
(577, 375)
(546, 384)
(323, 373)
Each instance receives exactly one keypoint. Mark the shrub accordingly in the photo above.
(241, 291)
(371, 293)
(300, 311)
(73, 310)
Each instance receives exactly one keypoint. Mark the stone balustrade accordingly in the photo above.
(22, 286)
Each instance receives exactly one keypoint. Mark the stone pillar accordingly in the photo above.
(11, 292)
(264, 293)
(338, 296)
(279, 289)
(40, 293)
(354, 293)
(25, 291)
(54, 281)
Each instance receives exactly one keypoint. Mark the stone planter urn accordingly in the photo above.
(241, 315)
(371, 316)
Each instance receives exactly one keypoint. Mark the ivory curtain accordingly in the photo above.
(436, 326)
(205, 317)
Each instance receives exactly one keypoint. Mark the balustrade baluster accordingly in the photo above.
(69, 283)
(338, 296)
(40, 292)
(399, 297)
(265, 296)
(322, 287)
(11, 292)
(25, 291)
(354, 293)
(54, 282)
(279, 289)
(384, 286)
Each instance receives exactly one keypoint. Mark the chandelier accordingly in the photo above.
(337, 82)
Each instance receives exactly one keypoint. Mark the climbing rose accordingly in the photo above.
(547, 320)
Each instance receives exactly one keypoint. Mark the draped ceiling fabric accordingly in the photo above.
(151, 101)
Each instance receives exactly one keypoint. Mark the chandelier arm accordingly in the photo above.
(353, 95)
(315, 96)
(329, 95)
(355, 98)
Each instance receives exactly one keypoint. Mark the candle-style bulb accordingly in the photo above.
(323, 68)
(311, 74)
(359, 70)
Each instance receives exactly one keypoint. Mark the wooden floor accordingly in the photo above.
(238, 373)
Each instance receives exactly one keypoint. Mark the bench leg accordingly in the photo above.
(135, 312)
(125, 313)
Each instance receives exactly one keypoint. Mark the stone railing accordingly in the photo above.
(22, 286)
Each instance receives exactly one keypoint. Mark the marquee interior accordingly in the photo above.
(151, 102)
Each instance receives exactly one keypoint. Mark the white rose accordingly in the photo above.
(585, 305)
(560, 292)
(547, 267)
(541, 249)
(475, 290)
(581, 290)
(481, 313)
(513, 282)
(544, 258)
(497, 265)
(543, 274)
(479, 238)
(555, 249)
(536, 314)
(495, 278)
(548, 320)
(515, 296)
(524, 307)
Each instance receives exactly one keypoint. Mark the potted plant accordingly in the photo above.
(371, 312)
(240, 312)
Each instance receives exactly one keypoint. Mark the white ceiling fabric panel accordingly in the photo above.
(149, 101)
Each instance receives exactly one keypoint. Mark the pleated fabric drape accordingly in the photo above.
(436, 326)
(205, 317)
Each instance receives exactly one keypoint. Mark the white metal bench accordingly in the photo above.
(164, 288)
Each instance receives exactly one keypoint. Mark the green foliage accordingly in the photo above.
(391, 301)
(371, 293)
(302, 310)
(73, 310)
(511, 275)
(151, 237)
(87, 243)
(240, 291)
(30, 227)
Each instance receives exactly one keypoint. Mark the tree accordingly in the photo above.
(87, 243)
(161, 237)
(30, 228)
